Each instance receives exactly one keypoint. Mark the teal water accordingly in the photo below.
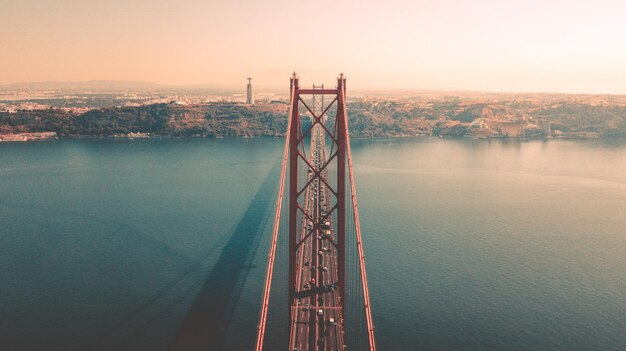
(120, 245)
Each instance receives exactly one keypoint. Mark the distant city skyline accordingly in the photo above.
(483, 45)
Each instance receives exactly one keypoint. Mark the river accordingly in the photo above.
(470, 244)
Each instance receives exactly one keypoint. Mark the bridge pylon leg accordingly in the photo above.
(341, 188)
(293, 190)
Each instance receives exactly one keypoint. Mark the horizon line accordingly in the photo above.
(231, 86)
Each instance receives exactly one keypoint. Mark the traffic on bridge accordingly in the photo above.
(323, 221)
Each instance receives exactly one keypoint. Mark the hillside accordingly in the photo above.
(367, 119)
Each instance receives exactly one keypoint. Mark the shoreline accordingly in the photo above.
(34, 137)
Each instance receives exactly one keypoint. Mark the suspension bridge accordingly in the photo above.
(327, 303)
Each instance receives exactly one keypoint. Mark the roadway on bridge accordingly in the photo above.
(317, 310)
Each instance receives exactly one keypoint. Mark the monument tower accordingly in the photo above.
(249, 98)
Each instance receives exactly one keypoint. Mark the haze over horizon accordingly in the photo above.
(485, 45)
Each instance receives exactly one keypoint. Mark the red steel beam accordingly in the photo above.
(318, 91)
(272, 255)
(341, 189)
(293, 189)
(317, 118)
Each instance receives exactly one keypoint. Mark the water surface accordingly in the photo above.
(125, 245)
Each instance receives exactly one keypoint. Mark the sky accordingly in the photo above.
(486, 45)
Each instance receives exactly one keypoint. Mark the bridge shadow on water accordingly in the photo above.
(207, 322)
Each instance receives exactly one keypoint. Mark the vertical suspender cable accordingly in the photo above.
(272, 254)
(359, 242)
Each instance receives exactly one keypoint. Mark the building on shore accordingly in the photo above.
(509, 128)
(27, 136)
(546, 125)
(479, 128)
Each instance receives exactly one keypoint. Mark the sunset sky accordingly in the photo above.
(488, 45)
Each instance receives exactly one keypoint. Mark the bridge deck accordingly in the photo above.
(316, 313)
